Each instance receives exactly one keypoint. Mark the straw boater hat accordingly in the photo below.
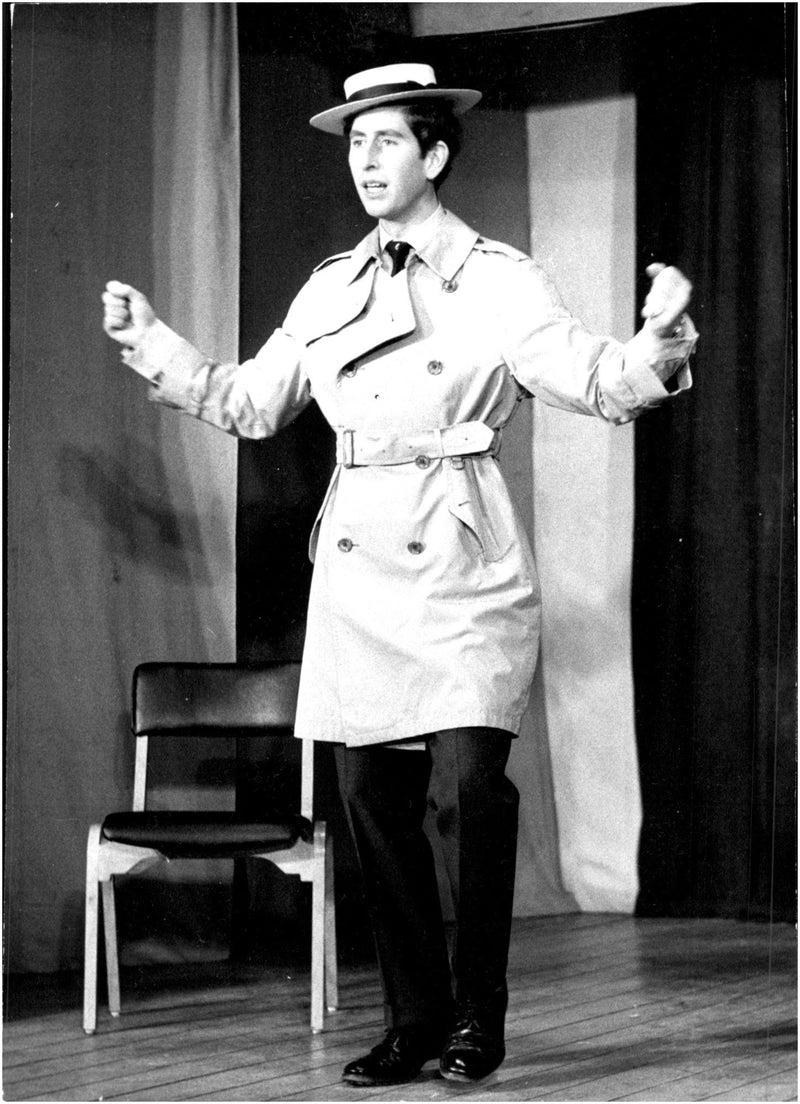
(390, 84)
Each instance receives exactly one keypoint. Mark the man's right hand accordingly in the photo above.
(127, 314)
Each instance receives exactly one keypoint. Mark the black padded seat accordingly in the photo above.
(205, 834)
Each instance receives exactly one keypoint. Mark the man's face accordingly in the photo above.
(391, 175)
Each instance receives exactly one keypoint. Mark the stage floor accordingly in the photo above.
(601, 1008)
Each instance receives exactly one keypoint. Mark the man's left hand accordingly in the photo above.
(667, 299)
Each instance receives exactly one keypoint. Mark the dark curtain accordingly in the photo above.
(298, 206)
(714, 579)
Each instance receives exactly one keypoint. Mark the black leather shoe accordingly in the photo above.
(474, 1048)
(399, 1058)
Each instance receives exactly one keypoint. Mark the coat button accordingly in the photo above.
(345, 544)
(435, 367)
(422, 462)
(449, 285)
(416, 547)
(349, 371)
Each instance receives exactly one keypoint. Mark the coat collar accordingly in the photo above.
(444, 254)
(367, 252)
(449, 248)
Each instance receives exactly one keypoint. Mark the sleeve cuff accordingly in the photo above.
(649, 361)
(175, 367)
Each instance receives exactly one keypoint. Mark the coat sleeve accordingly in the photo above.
(553, 356)
(253, 399)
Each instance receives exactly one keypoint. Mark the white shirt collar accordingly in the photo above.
(417, 236)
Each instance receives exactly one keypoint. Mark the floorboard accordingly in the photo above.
(601, 1008)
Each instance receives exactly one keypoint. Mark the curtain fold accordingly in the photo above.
(714, 582)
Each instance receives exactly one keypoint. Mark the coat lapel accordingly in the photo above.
(348, 336)
(351, 342)
(344, 291)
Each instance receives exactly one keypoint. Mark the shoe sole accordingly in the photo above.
(365, 1082)
(369, 1082)
(451, 1075)
(375, 1083)
(464, 1078)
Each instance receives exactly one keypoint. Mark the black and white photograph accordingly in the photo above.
(400, 562)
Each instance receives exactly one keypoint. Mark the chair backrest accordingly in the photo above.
(204, 697)
(215, 699)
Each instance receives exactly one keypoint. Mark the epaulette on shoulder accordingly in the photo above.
(333, 259)
(486, 245)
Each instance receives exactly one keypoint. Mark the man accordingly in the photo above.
(423, 615)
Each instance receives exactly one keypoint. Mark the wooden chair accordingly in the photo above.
(211, 700)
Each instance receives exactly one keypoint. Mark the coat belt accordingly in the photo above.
(356, 449)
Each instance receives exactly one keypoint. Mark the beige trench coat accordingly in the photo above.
(424, 606)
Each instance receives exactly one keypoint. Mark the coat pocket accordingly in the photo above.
(466, 503)
(315, 528)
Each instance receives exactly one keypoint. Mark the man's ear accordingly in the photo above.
(435, 159)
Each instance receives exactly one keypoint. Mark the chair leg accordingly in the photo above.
(112, 958)
(318, 931)
(91, 931)
(331, 963)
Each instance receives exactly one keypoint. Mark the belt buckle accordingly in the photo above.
(348, 448)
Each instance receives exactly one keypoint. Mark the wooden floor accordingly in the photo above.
(602, 1008)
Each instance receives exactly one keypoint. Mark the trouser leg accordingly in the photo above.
(476, 814)
(385, 796)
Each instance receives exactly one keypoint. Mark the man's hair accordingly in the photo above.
(430, 121)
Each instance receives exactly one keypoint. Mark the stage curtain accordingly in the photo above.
(714, 583)
(120, 514)
(582, 186)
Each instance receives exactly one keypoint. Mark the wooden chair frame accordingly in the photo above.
(311, 861)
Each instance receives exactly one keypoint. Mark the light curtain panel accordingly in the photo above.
(121, 515)
(582, 195)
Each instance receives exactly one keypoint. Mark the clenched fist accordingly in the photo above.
(127, 314)
(667, 299)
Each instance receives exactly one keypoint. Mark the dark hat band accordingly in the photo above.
(389, 90)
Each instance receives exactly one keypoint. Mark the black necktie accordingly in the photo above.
(398, 251)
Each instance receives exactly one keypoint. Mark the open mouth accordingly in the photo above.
(373, 188)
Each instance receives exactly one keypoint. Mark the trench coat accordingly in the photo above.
(424, 605)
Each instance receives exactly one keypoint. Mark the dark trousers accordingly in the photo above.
(386, 792)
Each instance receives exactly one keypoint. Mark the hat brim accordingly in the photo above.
(332, 121)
